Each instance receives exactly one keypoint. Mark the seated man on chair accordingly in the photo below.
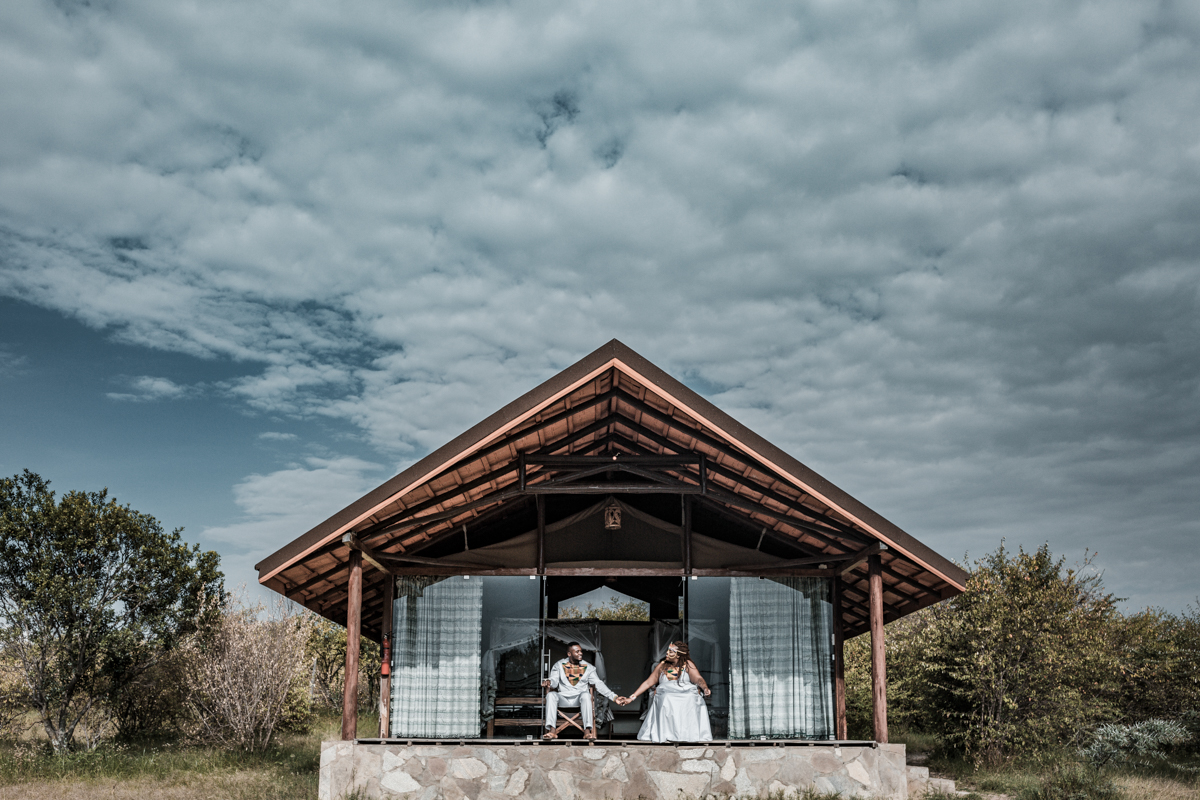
(569, 681)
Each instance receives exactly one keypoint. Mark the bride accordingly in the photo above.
(677, 713)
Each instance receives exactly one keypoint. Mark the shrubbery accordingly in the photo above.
(325, 657)
(1144, 744)
(240, 677)
(93, 597)
(112, 628)
(1028, 663)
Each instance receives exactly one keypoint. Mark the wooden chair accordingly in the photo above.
(573, 720)
(519, 722)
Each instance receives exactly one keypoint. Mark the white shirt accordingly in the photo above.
(559, 682)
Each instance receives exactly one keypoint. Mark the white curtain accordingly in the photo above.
(437, 626)
(780, 648)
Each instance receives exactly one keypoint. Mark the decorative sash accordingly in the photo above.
(574, 672)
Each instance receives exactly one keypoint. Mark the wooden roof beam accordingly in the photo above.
(811, 527)
(864, 594)
(748, 523)
(740, 457)
(505, 443)
(393, 524)
(483, 519)
(441, 518)
(861, 556)
(515, 436)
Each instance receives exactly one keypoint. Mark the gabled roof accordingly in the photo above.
(613, 401)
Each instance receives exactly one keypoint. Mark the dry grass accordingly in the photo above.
(245, 785)
(257, 782)
(1143, 788)
(288, 771)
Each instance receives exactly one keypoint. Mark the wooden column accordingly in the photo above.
(839, 664)
(878, 658)
(541, 534)
(687, 534)
(353, 632)
(385, 679)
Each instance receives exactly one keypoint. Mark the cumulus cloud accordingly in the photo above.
(278, 506)
(148, 388)
(947, 254)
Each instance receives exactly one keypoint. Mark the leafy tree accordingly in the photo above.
(92, 595)
(615, 610)
(1024, 662)
(1160, 665)
(1021, 664)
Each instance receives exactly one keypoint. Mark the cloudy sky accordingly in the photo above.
(257, 257)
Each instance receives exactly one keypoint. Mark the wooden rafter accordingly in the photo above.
(613, 402)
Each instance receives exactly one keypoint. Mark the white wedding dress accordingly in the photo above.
(677, 713)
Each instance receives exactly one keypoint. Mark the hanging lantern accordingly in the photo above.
(612, 516)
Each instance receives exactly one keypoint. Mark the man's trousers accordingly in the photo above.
(557, 700)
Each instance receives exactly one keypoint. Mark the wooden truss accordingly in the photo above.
(612, 424)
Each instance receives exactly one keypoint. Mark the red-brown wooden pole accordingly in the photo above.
(878, 659)
(385, 679)
(353, 632)
(839, 665)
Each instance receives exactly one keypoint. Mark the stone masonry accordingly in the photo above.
(478, 771)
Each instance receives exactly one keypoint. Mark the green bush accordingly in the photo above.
(298, 714)
(1027, 663)
(325, 655)
(1018, 666)
(1141, 745)
(153, 702)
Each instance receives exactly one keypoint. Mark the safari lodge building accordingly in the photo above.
(612, 474)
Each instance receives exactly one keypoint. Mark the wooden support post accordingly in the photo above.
(878, 658)
(541, 535)
(839, 664)
(353, 632)
(385, 678)
(687, 535)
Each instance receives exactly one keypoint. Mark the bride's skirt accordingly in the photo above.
(677, 714)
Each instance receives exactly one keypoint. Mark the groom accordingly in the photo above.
(568, 684)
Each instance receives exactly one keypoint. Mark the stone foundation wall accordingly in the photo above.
(477, 771)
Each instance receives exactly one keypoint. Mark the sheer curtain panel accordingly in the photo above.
(437, 626)
(780, 659)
